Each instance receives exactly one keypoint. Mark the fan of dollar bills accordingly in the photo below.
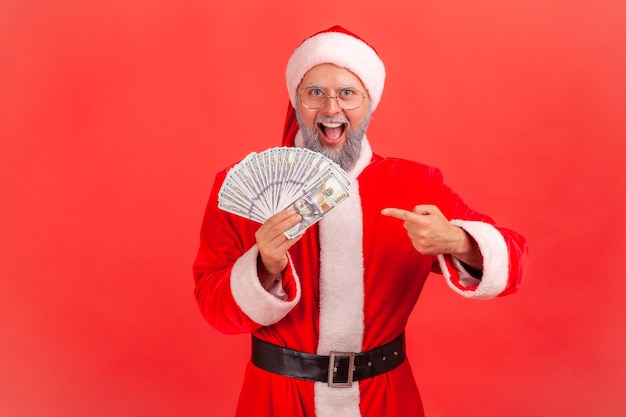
(265, 183)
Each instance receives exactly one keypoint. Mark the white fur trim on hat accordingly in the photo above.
(340, 49)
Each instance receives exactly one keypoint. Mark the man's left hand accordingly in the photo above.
(432, 234)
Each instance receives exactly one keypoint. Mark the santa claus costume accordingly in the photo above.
(351, 281)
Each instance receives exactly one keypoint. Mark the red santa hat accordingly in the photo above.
(333, 46)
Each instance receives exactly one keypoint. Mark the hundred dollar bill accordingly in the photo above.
(317, 201)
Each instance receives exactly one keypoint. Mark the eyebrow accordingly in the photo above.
(323, 87)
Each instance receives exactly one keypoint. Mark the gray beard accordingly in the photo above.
(348, 155)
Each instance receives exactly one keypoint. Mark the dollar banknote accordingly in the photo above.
(262, 184)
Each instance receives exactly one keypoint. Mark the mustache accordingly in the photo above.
(332, 119)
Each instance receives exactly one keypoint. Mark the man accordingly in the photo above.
(327, 310)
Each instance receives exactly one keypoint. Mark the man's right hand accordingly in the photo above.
(273, 245)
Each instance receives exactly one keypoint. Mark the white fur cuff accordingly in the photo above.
(495, 262)
(257, 303)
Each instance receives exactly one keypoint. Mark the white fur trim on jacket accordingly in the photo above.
(495, 262)
(342, 50)
(342, 293)
(257, 303)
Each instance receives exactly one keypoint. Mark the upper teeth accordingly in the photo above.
(331, 125)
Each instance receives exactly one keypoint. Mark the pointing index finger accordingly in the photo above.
(395, 212)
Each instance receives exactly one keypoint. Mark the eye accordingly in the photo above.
(316, 92)
(347, 93)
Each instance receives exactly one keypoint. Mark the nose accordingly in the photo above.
(332, 105)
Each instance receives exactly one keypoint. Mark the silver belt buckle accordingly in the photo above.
(332, 369)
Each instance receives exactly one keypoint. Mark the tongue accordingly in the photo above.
(333, 133)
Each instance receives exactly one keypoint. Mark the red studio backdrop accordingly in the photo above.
(115, 116)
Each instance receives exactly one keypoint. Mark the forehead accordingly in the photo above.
(332, 76)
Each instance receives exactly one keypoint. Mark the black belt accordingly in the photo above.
(339, 369)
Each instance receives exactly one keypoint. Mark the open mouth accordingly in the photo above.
(332, 132)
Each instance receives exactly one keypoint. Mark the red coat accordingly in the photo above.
(352, 282)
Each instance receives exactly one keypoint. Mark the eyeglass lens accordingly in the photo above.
(316, 98)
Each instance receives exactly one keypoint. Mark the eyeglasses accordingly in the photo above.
(315, 98)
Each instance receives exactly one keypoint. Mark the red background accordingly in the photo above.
(114, 117)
